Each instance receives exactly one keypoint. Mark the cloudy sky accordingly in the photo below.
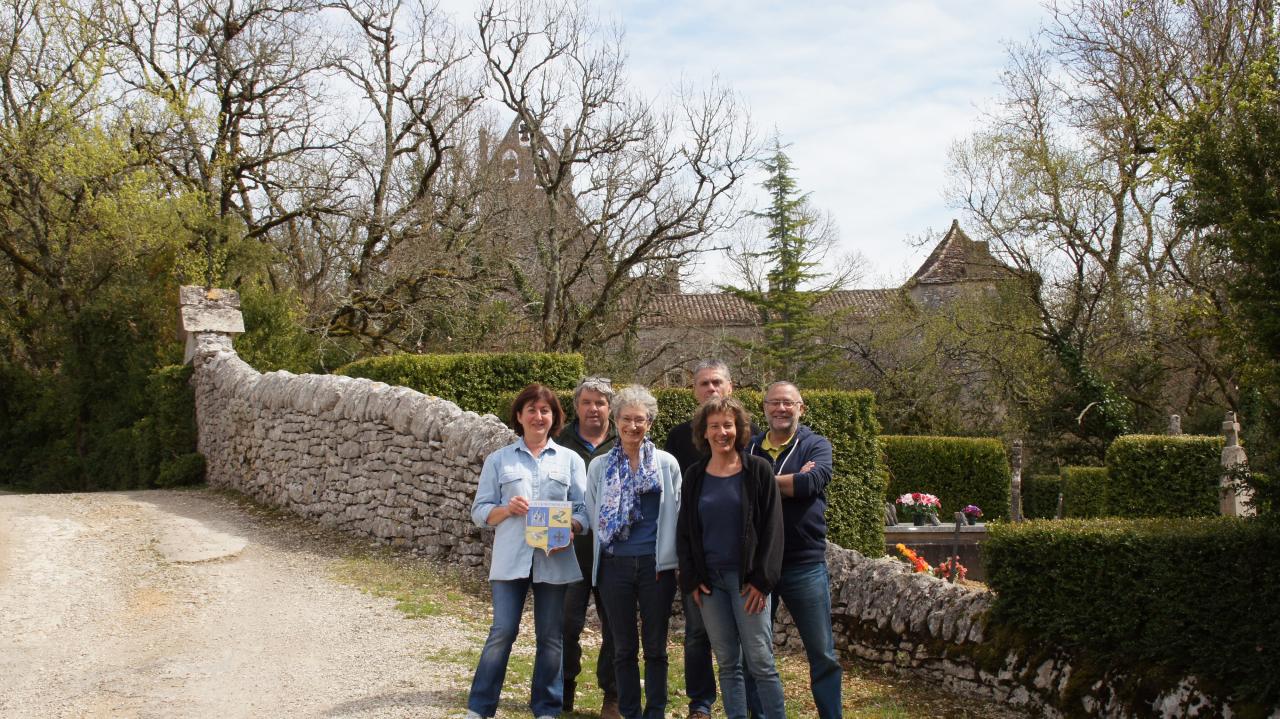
(869, 95)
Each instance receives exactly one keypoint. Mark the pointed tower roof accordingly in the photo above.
(959, 259)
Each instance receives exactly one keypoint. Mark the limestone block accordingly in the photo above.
(328, 391)
(352, 402)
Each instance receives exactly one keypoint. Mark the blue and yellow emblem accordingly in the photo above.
(548, 525)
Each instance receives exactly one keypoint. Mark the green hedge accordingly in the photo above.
(158, 450)
(1163, 476)
(1084, 492)
(1185, 596)
(1040, 496)
(477, 381)
(958, 470)
(155, 450)
(855, 514)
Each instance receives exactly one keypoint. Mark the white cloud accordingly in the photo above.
(869, 96)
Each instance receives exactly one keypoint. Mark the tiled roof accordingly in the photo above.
(957, 259)
(718, 309)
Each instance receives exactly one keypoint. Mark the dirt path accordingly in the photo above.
(180, 604)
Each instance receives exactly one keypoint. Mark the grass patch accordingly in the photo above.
(419, 588)
(423, 589)
(431, 592)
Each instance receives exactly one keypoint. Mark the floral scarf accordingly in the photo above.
(620, 501)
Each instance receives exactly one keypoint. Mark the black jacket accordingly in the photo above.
(762, 538)
(804, 515)
(569, 437)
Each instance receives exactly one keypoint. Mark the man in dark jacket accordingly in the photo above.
(801, 460)
(590, 436)
(710, 379)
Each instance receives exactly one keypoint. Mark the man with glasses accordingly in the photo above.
(801, 460)
(590, 436)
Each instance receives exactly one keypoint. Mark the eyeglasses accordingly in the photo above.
(637, 421)
(783, 403)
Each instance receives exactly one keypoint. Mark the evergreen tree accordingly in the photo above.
(787, 296)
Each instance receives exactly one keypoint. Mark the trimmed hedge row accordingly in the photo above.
(1163, 476)
(958, 470)
(1084, 492)
(475, 381)
(1040, 496)
(1184, 596)
(855, 515)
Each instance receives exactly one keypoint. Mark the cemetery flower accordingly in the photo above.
(916, 561)
(945, 571)
(912, 504)
(973, 510)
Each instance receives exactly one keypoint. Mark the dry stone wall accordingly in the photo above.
(364, 457)
(401, 467)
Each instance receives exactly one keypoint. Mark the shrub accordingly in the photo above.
(1191, 596)
(132, 456)
(476, 381)
(1084, 492)
(1163, 476)
(958, 470)
(1040, 496)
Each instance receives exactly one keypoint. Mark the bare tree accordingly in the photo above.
(625, 191)
(414, 179)
(228, 96)
(1068, 184)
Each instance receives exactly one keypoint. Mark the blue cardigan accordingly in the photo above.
(668, 508)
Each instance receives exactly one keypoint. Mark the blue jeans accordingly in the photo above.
(575, 618)
(628, 584)
(699, 678)
(548, 613)
(739, 638)
(806, 590)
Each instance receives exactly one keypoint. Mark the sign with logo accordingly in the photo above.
(548, 525)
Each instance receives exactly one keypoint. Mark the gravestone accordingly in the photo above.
(1175, 425)
(1233, 499)
(1015, 483)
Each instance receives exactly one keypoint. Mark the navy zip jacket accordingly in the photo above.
(804, 515)
(761, 558)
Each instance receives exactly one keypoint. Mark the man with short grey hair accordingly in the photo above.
(590, 436)
(710, 379)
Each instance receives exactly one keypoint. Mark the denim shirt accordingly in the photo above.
(557, 474)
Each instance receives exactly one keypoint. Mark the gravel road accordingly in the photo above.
(182, 604)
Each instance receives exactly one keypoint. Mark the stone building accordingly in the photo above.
(685, 327)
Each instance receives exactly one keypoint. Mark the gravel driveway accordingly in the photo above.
(181, 604)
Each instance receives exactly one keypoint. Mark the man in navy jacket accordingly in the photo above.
(801, 460)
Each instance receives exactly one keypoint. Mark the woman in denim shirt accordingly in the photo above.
(533, 467)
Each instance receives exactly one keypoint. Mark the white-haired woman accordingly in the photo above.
(633, 499)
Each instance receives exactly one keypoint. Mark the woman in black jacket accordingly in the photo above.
(729, 543)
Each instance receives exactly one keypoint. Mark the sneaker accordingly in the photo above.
(473, 715)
